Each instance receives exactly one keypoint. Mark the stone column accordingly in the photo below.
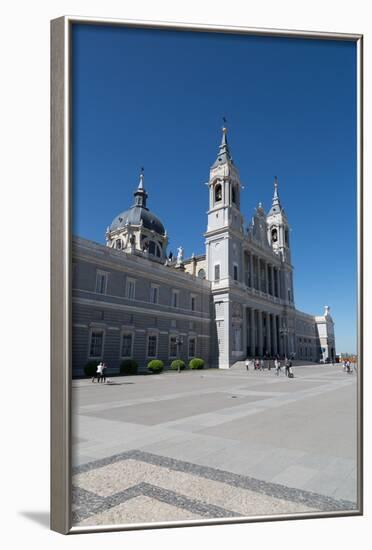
(252, 335)
(251, 269)
(280, 342)
(276, 283)
(244, 331)
(268, 332)
(280, 286)
(260, 333)
(272, 279)
(275, 342)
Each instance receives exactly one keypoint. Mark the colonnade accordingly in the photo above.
(261, 275)
(263, 334)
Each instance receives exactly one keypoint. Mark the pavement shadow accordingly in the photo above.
(119, 383)
(42, 518)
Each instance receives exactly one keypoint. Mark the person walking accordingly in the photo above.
(99, 371)
(103, 372)
(247, 364)
(277, 367)
(262, 364)
(287, 365)
(256, 364)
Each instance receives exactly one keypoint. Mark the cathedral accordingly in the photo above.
(130, 299)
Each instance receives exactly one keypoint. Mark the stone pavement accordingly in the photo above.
(211, 444)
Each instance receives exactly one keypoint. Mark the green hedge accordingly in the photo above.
(156, 366)
(196, 363)
(178, 364)
(128, 367)
(90, 368)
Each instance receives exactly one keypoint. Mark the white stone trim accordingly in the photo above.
(145, 303)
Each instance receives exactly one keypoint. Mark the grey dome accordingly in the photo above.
(134, 216)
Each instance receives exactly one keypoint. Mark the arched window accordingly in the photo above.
(118, 244)
(286, 236)
(233, 194)
(201, 274)
(218, 193)
(274, 235)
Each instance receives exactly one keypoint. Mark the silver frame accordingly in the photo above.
(61, 196)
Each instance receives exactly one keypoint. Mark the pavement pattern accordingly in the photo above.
(214, 444)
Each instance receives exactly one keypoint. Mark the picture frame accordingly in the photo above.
(61, 267)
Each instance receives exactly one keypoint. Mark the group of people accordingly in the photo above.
(348, 367)
(259, 364)
(100, 373)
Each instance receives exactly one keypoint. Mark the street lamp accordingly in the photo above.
(179, 342)
(284, 334)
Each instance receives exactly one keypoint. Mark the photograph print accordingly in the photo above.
(213, 276)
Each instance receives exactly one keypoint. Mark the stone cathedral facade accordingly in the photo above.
(131, 300)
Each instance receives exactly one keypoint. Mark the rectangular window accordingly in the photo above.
(101, 282)
(126, 344)
(175, 298)
(131, 289)
(96, 343)
(173, 346)
(152, 345)
(193, 303)
(192, 347)
(235, 272)
(154, 294)
(217, 272)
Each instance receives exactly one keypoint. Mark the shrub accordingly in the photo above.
(178, 364)
(155, 366)
(196, 363)
(90, 368)
(128, 367)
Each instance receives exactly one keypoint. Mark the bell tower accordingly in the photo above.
(224, 190)
(278, 237)
(278, 227)
(223, 239)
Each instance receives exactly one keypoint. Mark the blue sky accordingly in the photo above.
(156, 99)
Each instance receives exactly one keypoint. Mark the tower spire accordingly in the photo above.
(142, 177)
(224, 154)
(276, 206)
(276, 199)
(140, 194)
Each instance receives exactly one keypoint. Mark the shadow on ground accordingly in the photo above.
(42, 518)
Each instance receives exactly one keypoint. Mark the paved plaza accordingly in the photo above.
(210, 444)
